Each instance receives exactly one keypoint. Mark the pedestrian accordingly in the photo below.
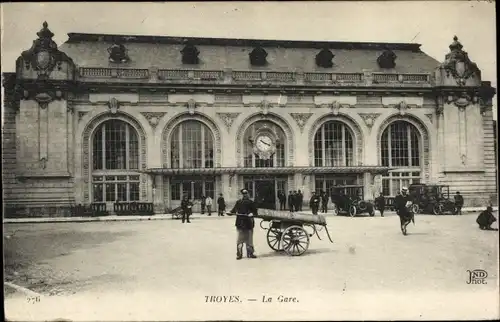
(403, 204)
(300, 200)
(459, 203)
(245, 209)
(187, 209)
(296, 201)
(314, 203)
(208, 202)
(202, 204)
(221, 204)
(324, 202)
(282, 199)
(291, 201)
(486, 219)
(380, 203)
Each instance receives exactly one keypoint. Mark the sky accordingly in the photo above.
(430, 23)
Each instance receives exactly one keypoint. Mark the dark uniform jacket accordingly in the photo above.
(485, 219)
(245, 207)
(221, 203)
(314, 201)
(459, 200)
(400, 204)
(186, 205)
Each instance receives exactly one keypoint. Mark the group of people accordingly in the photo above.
(205, 204)
(294, 200)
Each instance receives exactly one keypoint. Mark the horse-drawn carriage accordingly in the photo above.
(287, 230)
(431, 198)
(349, 199)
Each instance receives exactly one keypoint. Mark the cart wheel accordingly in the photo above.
(274, 238)
(335, 210)
(352, 211)
(295, 240)
(437, 209)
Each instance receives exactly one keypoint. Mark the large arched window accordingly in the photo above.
(333, 145)
(400, 148)
(115, 159)
(192, 146)
(278, 139)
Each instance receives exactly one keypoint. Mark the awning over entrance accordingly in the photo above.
(281, 170)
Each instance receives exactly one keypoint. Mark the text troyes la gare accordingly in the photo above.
(238, 299)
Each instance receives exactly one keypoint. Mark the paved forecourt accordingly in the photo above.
(164, 269)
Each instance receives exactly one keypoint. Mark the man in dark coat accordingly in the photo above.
(282, 199)
(486, 219)
(314, 203)
(403, 204)
(459, 202)
(202, 204)
(291, 201)
(187, 209)
(245, 209)
(324, 202)
(300, 201)
(380, 203)
(221, 205)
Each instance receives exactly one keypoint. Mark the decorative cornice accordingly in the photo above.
(228, 118)
(369, 118)
(153, 117)
(301, 119)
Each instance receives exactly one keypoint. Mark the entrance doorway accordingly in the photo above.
(264, 190)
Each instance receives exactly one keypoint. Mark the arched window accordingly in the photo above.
(333, 145)
(192, 146)
(400, 148)
(115, 159)
(278, 139)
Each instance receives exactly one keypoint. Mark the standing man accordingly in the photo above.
(187, 209)
(459, 203)
(380, 203)
(208, 202)
(300, 200)
(221, 204)
(245, 209)
(202, 204)
(324, 202)
(282, 199)
(403, 204)
(291, 201)
(314, 203)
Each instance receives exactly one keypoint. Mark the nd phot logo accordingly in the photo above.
(477, 276)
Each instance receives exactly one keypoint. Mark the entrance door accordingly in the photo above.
(265, 194)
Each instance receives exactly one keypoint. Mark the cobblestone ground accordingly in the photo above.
(147, 270)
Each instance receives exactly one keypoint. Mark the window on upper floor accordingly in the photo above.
(324, 58)
(258, 57)
(190, 55)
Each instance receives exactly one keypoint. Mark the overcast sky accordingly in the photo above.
(432, 24)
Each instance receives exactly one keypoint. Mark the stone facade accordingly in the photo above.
(56, 100)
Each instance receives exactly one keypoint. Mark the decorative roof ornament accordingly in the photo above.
(190, 55)
(43, 56)
(387, 59)
(458, 65)
(118, 53)
(258, 57)
(324, 58)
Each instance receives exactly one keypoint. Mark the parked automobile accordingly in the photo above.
(432, 199)
(349, 199)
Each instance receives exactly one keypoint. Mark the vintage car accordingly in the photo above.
(432, 199)
(349, 199)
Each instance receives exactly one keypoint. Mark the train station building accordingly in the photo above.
(106, 118)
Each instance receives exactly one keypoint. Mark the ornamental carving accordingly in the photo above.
(87, 151)
(430, 117)
(118, 53)
(190, 55)
(191, 106)
(81, 114)
(258, 57)
(335, 108)
(265, 106)
(461, 100)
(301, 119)
(324, 58)
(369, 118)
(228, 119)
(113, 105)
(458, 65)
(153, 117)
(387, 59)
(43, 56)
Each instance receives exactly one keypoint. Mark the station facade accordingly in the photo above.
(107, 118)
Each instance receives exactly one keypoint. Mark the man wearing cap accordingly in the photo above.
(245, 209)
(402, 204)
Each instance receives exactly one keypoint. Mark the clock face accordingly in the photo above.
(264, 143)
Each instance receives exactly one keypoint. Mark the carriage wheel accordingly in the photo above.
(295, 240)
(352, 211)
(335, 210)
(437, 209)
(274, 239)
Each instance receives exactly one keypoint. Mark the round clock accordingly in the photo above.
(264, 143)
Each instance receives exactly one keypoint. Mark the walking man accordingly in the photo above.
(202, 204)
(282, 199)
(208, 202)
(380, 203)
(187, 209)
(314, 203)
(459, 203)
(403, 204)
(221, 204)
(245, 209)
